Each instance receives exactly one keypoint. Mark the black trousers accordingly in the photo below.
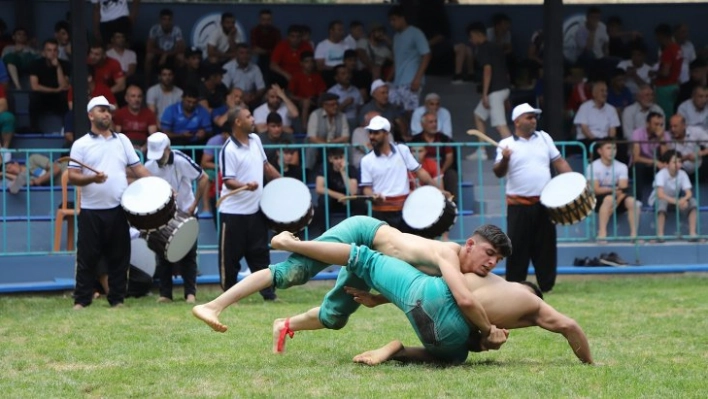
(102, 233)
(394, 219)
(243, 236)
(533, 238)
(188, 271)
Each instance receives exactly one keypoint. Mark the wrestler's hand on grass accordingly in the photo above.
(365, 298)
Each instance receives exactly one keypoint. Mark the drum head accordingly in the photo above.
(182, 240)
(141, 256)
(563, 189)
(286, 200)
(146, 196)
(423, 207)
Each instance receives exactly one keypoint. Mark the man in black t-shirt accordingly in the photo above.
(49, 80)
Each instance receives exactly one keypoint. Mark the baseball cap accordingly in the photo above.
(192, 51)
(524, 108)
(157, 142)
(99, 101)
(379, 123)
(376, 84)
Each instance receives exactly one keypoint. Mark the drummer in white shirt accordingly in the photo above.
(180, 171)
(610, 182)
(103, 226)
(525, 158)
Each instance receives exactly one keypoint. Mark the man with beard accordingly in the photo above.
(276, 101)
(103, 227)
(134, 120)
(384, 174)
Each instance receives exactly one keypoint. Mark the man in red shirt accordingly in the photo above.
(106, 70)
(666, 80)
(285, 59)
(134, 120)
(264, 37)
(95, 89)
(306, 85)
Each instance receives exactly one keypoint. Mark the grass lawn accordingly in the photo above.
(648, 334)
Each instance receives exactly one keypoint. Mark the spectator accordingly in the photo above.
(636, 68)
(19, 56)
(276, 101)
(212, 92)
(95, 89)
(264, 37)
(7, 126)
(620, 41)
(691, 142)
(375, 52)
(688, 51)
(694, 110)
(190, 74)
(591, 38)
(285, 60)
(356, 35)
(208, 164)
(619, 95)
(106, 70)
(242, 73)
(134, 120)
(164, 93)
(221, 45)
(330, 52)
(186, 122)
(349, 96)
(126, 57)
(274, 135)
(306, 85)
(340, 180)
(667, 77)
(648, 144)
(113, 16)
(698, 72)
(39, 167)
(165, 43)
(49, 82)
(596, 119)
(635, 115)
(432, 104)
(379, 103)
(610, 182)
(326, 125)
(673, 187)
(62, 34)
(360, 78)
(219, 115)
(445, 156)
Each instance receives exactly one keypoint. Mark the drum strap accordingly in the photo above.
(520, 200)
(391, 204)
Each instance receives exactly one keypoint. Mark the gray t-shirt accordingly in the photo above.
(492, 54)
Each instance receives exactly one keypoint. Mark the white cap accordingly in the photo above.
(524, 108)
(99, 101)
(157, 142)
(379, 123)
(376, 84)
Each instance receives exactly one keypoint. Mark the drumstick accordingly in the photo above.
(482, 136)
(358, 197)
(238, 190)
(69, 159)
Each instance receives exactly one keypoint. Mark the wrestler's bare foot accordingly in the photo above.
(79, 307)
(278, 326)
(191, 299)
(209, 316)
(281, 240)
(378, 356)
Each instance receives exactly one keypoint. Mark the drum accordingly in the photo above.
(287, 205)
(428, 213)
(141, 256)
(149, 203)
(568, 198)
(174, 240)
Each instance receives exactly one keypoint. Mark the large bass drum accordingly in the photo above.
(149, 203)
(568, 198)
(428, 213)
(287, 205)
(174, 240)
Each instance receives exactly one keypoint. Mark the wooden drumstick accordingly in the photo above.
(83, 165)
(482, 136)
(358, 197)
(238, 190)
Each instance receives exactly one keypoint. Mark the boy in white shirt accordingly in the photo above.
(610, 182)
(669, 185)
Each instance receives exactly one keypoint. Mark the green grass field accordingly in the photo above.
(649, 336)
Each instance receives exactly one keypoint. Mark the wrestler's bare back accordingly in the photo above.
(412, 249)
(508, 305)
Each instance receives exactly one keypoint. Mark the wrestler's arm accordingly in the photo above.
(554, 321)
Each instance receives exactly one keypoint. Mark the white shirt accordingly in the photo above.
(388, 174)
(688, 51)
(607, 175)
(691, 144)
(109, 155)
(331, 53)
(633, 117)
(642, 72)
(161, 100)
(128, 57)
(112, 10)
(244, 163)
(180, 171)
(693, 116)
(529, 165)
(672, 185)
(601, 39)
(249, 79)
(599, 120)
(220, 40)
(260, 114)
(344, 94)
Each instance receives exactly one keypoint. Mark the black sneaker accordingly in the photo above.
(612, 259)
